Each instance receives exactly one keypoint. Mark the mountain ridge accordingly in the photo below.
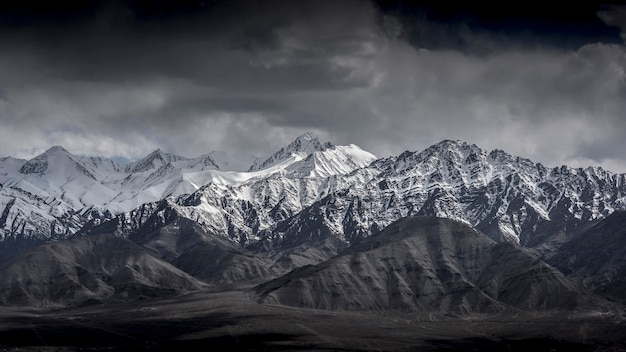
(344, 191)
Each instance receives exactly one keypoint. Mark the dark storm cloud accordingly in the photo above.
(615, 16)
(227, 45)
(223, 53)
(121, 78)
(482, 28)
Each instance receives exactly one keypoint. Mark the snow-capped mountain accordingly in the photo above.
(508, 198)
(193, 222)
(239, 205)
(54, 194)
(307, 191)
(300, 148)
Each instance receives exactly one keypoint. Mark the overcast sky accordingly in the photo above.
(122, 78)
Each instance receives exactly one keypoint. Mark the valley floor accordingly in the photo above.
(232, 321)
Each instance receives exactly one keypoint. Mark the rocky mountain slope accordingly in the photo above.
(596, 256)
(92, 269)
(156, 261)
(426, 264)
(421, 264)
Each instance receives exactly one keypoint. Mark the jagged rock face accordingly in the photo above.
(339, 191)
(597, 256)
(244, 210)
(302, 146)
(430, 265)
(507, 198)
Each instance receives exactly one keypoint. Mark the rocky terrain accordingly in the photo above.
(425, 264)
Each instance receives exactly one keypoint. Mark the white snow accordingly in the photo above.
(446, 178)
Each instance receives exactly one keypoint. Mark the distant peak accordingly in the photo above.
(160, 154)
(52, 151)
(304, 145)
(308, 136)
(39, 164)
(153, 160)
(56, 149)
(156, 152)
(308, 143)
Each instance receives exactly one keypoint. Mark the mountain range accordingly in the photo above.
(452, 229)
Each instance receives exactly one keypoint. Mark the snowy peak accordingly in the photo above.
(307, 143)
(456, 152)
(56, 161)
(335, 160)
(204, 162)
(509, 161)
(300, 148)
(449, 159)
(153, 161)
(39, 164)
(55, 150)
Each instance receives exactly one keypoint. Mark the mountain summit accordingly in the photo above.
(300, 148)
(153, 161)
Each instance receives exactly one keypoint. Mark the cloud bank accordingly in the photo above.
(121, 80)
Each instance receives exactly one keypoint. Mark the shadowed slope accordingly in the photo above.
(90, 269)
(597, 256)
(185, 244)
(426, 264)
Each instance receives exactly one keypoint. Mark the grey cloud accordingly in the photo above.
(268, 42)
(546, 106)
(250, 76)
(116, 76)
